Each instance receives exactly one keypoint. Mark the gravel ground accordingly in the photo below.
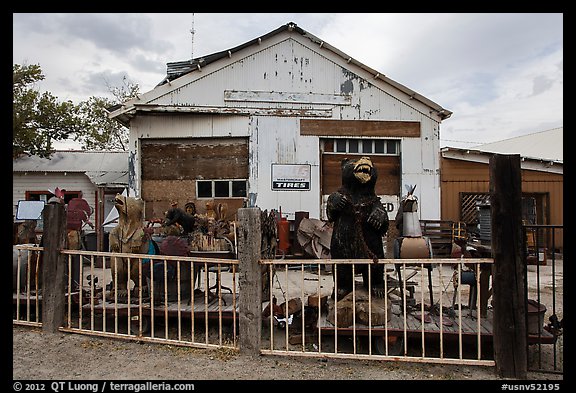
(63, 356)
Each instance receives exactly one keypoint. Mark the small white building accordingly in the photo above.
(267, 124)
(96, 176)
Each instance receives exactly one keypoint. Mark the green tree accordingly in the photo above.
(38, 119)
(100, 132)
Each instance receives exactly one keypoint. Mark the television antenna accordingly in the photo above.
(192, 38)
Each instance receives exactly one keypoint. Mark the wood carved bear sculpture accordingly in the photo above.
(128, 236)
(359, 223)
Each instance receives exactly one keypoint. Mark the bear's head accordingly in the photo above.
(129, 208)
(359, 173)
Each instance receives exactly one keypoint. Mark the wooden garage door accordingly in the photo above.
(387, 164)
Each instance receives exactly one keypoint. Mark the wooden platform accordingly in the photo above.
(411, 325)
(202, 308)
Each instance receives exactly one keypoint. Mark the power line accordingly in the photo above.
(453, 140)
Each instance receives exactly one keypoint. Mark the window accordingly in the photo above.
(46, 195)
(221, 188)
(367, 146)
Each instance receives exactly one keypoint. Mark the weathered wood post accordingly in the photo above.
(54, 267)
(509, 292)
(250, 281)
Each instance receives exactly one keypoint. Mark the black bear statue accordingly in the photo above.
(359, 223)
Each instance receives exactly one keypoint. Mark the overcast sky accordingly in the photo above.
(501, 74)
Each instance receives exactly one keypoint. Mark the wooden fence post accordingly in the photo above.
(509, 292)
(250, 281)
(54, 267)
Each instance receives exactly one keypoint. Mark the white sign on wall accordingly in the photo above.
(29, 210)
(391, 204)
(291, 177)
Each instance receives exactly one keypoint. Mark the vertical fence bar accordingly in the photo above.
(422, 317)
(70, 291)
(152, 295)
(354, 308)
(179, 300)
(386, 308)
(286, 316)
(115, 295)
(80, 306)
(192, 297)
(234, 318)
(140, 300)
(554, 287)
(319, 312)
(369, 268)
(441, 282)
(538, 298)
(478, 311)
(104, 294)
(335, 270)
(18, 287)
(219, 304)
(28, 290)
(36, 283)
(91, 290)
(302, 302)
(128, 304)
(206, 291)
(404, 306)
(165, 299)
(459, 289)
(271, 305)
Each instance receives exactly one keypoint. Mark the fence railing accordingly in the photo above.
(26, 278)
(438, 312)
(422, 318)
(189, 301)
(544, 282)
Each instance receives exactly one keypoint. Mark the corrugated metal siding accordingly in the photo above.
(458, 176)
(292, 64)
(186, 126)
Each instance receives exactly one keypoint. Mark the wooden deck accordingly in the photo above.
(466, 326)
(211, 308)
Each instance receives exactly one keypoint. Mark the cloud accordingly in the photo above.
(500, 74)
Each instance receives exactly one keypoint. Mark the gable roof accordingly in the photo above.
(546, 145)
(175, 70)
(103, 168)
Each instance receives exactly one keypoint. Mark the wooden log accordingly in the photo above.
(509, 292)
(250, 281)
(54, 267)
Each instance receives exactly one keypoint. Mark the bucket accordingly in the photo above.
(536, 313)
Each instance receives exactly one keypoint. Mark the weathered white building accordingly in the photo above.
(267, 123)
(96, 176)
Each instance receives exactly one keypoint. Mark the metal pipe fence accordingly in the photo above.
(26, 278)
(421, 318)
(544, 282)
(435, 310)
(187, 301)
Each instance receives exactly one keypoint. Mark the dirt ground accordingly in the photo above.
(64, 356)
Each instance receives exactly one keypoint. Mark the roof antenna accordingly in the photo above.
(192, 36)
